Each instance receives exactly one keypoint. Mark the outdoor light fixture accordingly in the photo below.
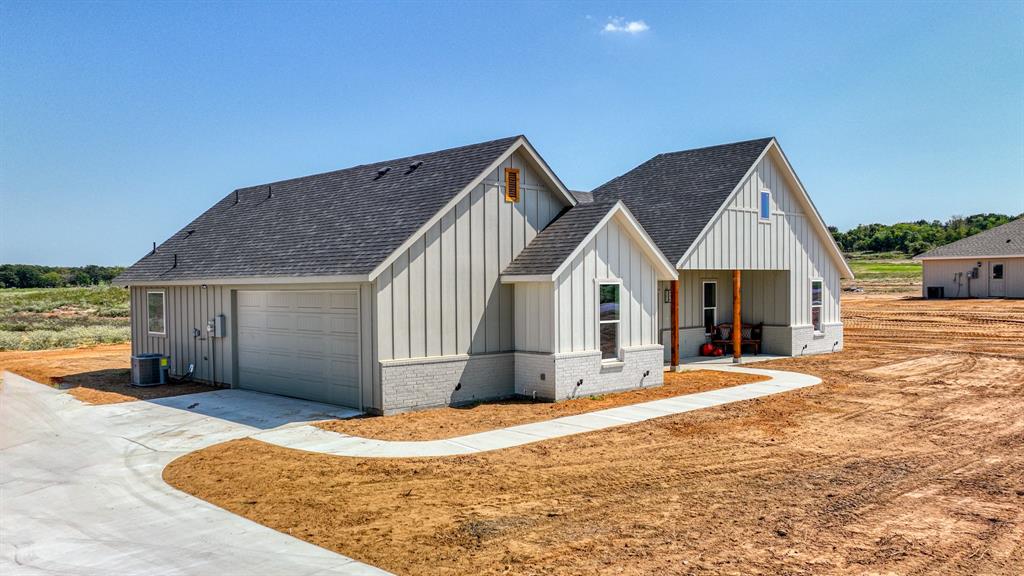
(668, 296)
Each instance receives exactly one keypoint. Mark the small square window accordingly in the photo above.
(155, 313)
(997, 271)
(765, 211)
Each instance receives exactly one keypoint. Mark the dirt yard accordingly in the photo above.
(97, 374)
(907, 460)
(449, 422)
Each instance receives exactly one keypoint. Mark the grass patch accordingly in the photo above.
(866, 268)
(109, 301)
(876, 270)
(41, 318)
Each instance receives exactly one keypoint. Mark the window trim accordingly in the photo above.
(761, 204)
(518, 187)
(163, 312)
(704, 307)
(819, 329)
(597, 310)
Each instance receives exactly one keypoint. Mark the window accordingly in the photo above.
(155, 312)
(511, 184)
(608, 318)
(997, 271)
(816, 289)
(710, 304)
(765, 211)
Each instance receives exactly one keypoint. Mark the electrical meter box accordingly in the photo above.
(217, 326)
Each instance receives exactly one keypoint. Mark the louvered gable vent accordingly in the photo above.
(511, 184)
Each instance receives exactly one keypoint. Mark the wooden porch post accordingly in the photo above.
(674, 299)
(737, 323)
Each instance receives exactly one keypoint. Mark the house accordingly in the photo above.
(736, 216)
(474, 273)
(989, 264)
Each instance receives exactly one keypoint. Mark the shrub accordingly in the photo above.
(70, 338)
(104, 300)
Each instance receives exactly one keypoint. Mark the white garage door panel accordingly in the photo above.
(283, 321)
(300, 343)
(347, 300)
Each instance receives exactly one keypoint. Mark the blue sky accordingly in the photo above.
(121, 122)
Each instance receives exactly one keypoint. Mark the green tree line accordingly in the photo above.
(913, 238)
(32, 276)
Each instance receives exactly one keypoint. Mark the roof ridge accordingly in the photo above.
(391, 160)
(765, 139)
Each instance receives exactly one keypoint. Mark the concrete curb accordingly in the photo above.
(313, 439)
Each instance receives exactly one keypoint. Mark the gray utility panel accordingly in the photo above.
(303, 344)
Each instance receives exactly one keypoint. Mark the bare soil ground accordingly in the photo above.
(908, 459)
(97, 374)
(457, 421)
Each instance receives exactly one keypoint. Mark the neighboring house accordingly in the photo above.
(989, 264)
(473, 273)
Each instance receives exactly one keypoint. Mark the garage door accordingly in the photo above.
(301, 344)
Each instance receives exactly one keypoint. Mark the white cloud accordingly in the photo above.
(616, 25)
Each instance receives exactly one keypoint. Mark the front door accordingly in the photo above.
(997, 285)
(665, 318)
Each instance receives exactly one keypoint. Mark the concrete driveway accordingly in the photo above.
(81, 490)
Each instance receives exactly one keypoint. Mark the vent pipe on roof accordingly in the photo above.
(175, 261)
(236, 196)
(154, 248)
(270, 191)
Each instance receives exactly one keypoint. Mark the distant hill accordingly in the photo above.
(913, 238)
(33, 276)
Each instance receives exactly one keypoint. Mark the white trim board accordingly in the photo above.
(925, 258)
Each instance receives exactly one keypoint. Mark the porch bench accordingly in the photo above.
(750, 335)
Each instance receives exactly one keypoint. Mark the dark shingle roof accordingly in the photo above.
(582, 197)
(1005, 240)
(332, 224)
(675, 195)
(556, 242)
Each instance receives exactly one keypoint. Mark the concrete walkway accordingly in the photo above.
(81, 491)
(313, 439)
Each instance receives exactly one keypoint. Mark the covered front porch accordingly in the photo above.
(705, 299)
(696, 362)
